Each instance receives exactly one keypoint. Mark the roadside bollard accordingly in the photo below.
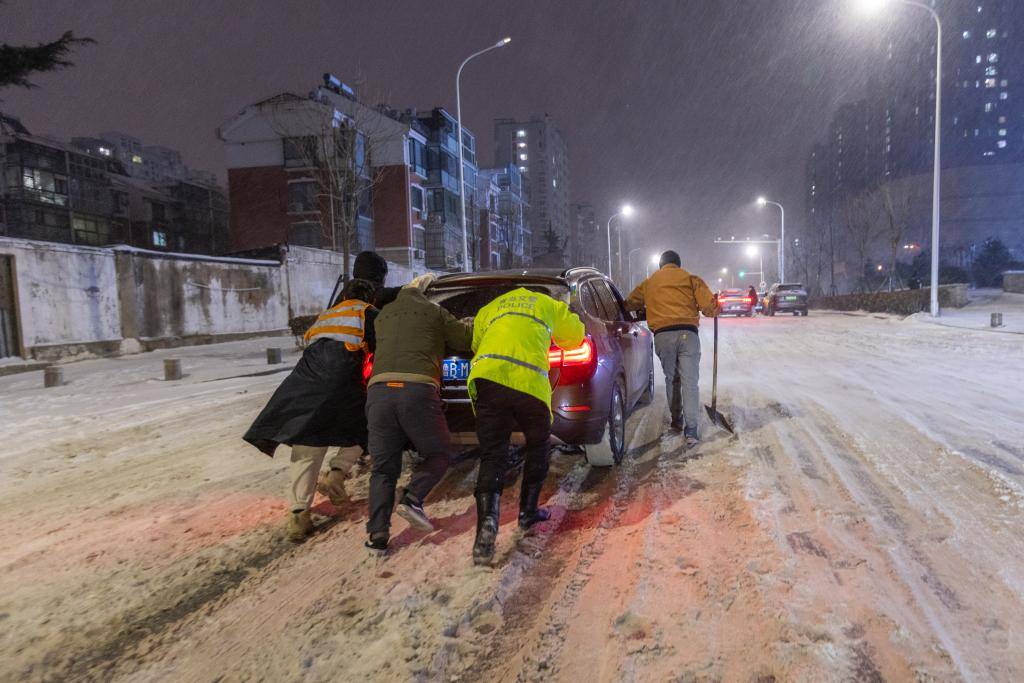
(275, 356)
(53, 377)
(172, 369)
(997, 320)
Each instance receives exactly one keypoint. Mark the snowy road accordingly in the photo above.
(866, 524)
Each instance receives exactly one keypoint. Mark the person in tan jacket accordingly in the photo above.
(675, 299)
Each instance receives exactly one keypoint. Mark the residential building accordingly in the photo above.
(444, 225)
(495, 245)
(326, 170)
(585, 237)
(538, 149)
(59, 192)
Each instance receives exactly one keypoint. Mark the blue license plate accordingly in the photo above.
(791, 298)
(455, 370)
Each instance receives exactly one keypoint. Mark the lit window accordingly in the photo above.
(1002, 119)
(522, 144)
(977, 60)
(159, 238)
(990, 82)
(522, 169)
(523, 157)
(1001, 144)
(988, 107)
(1002, 132)
(993, 57)
(990, 71)
(520, 133)
(104, 151)
(967, 34)
(991, 33)
(1003, 96)
(136, 159)
(989, 153)
(554, 183)
(1004, 83)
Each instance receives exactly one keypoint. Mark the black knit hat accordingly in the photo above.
(669, 257)
(370, 266)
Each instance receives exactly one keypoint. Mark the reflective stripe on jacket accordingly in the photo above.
(345, 322)
(511, 339)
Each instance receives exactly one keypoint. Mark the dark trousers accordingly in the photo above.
(499, 411)
(397, 415)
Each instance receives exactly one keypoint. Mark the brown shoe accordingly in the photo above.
(300, 525)
(333, 486)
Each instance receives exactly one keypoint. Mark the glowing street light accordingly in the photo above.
(753, 250)
(466, 262)
(869, 7)
(626, 211)
(762, 202)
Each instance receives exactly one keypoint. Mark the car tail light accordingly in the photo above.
(574, 365)
(367, 367)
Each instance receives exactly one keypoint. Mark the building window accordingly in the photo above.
(990, 82)
(1001, 144)
(993, 57)
(520, 133)
(302, 197)
(991, 33)
(136, 159)
(1003, 96)
(92, 231)
(523, 157)
(967, 34)
(159, 238)
(299, 152)
(416, 197)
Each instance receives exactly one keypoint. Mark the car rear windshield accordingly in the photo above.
(464, 302)
(790, 288)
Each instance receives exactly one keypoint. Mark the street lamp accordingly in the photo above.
(466, 263)
(763, 201)
(626, 211)
(874, 6)
(754, 251)
(629, 264)
(655, 261)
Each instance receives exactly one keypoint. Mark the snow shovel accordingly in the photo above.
(716, 417)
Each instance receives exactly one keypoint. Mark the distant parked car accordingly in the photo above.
(786, 298)
(735, 302)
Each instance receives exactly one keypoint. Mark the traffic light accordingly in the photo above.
(743, 273)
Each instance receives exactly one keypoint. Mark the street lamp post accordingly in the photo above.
(872, 5)
(629, 265)
(762, 201)
(466, 262)
(626, 211)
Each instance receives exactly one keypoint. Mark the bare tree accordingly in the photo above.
(896, 203)
(335, 146)
(861, 224)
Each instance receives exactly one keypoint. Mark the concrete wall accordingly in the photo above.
(1013, 281)
(106, 301)
(178, 296)
(66, 295)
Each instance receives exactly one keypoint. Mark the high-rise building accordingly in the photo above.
(538, 150)
(584, 236)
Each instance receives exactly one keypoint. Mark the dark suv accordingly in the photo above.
(786, 298)
(595, 385)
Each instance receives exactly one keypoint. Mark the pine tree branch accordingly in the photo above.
(18, 62)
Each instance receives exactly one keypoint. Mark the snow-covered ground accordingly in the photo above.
(866, 523)
(977, 314)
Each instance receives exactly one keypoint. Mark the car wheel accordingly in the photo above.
(648, 396)
(613, 444)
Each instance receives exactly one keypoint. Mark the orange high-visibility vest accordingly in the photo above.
(345, 322)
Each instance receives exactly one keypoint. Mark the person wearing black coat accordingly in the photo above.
(370, 265)
(322, 404)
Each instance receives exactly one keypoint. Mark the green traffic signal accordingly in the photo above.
(743, 273)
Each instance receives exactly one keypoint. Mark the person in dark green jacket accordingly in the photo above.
(509, 385)
(403, 405)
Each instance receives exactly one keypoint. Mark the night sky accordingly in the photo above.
(688, 109)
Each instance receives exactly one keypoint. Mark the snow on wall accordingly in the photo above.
(67, 294)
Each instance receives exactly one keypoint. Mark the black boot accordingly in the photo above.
(488, 507)
(529, 513)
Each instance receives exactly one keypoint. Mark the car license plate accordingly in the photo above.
(791, 298)
(455, 369)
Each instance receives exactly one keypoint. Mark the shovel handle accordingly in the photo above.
(714, 372)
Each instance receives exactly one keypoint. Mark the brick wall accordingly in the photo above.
(392, 214)
(259, 207)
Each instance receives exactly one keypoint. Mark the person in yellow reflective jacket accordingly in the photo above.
(509, 385)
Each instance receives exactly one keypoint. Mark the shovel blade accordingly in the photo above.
(719, 419)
